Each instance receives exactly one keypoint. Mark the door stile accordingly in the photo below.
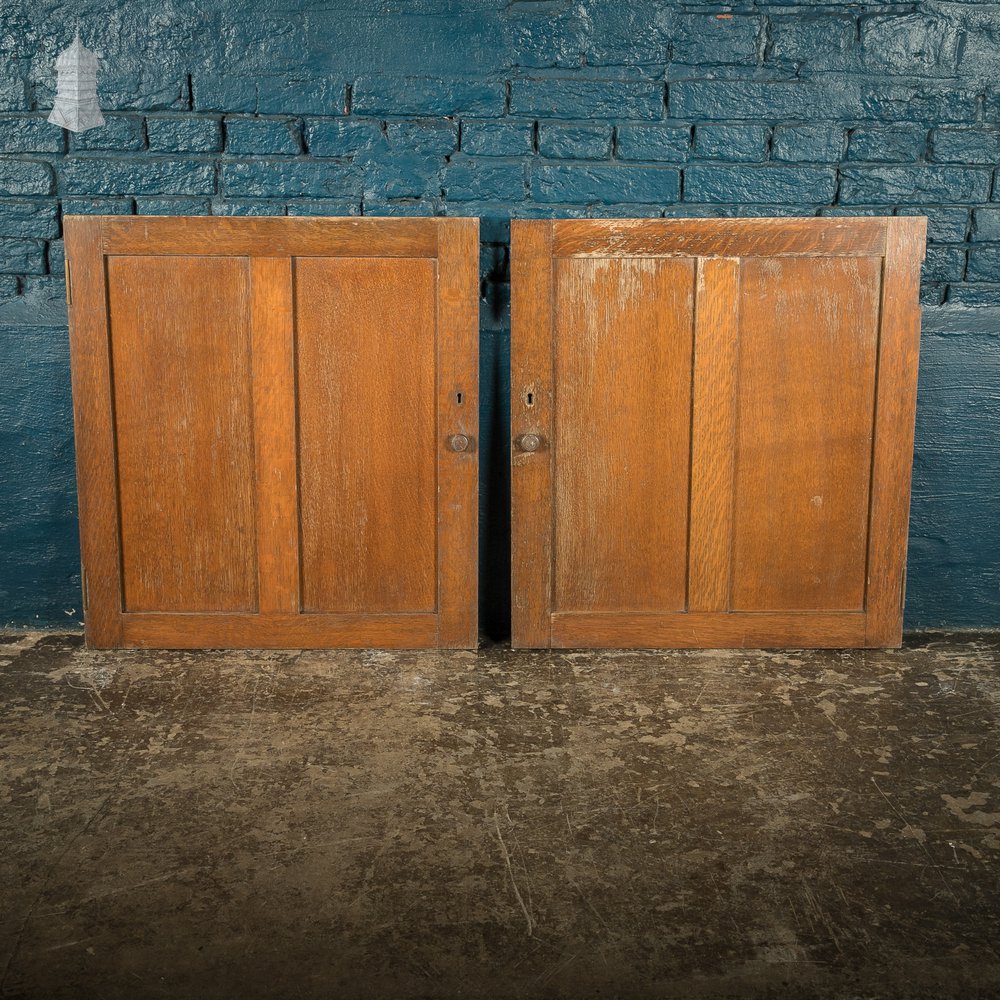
(276, 448)
(94, 428)
(531, 408)
(713, 433)
(457, 444)
(895, 413)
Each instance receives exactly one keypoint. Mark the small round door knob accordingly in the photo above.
(459, 442)
(529, 442)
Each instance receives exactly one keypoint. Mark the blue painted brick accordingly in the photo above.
(25, 177)
(172, 206)
(36, 219)
(184, 134)
(932, 294)
(291, 179)
(808, 144)
(738, 143)
(96, 206)
(121, 133)
(214, 92)
(657, 143)
(966, 145)
(912, 185)
(12, 92)
(477, 180)
(707, 39)
(944, 224)
(22, 256)
(281, 95)
(315, 208)
(57, 257)
(582, 99)
(974, 295)
(944, 263)
(392, 95)
(836, 96)
(426, 138)
(405, 208)
(575, 142)
(986, 225)
(247, 206)
(402, 174)
(496, 138)
(910, 44)
(586, 183)
(30, 134)
(761, 185)
(8, 288)
(343, 136)
(137, 175)
(984, 263)
(277, 136)
(823, 42)
(892, 144)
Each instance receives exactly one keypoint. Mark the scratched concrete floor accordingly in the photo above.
(363, 824)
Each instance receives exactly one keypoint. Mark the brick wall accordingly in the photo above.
(520, 108)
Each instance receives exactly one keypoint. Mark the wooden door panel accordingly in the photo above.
(180, 334)
(366, 412)
(623, 348)
(276, 427)
(808, 335)
(760, 494)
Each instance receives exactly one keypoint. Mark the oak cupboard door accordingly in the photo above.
(276, 426)
(712, 430)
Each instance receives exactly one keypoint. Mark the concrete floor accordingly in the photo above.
(365, 824)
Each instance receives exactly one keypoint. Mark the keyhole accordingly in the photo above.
(458, 398)
(529, 399)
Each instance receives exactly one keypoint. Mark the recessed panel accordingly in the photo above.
(808, 336)
(622, 364)
(180, 345)
(365, 363)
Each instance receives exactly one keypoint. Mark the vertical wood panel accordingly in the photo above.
(808, 337)
(531, 409)
(623, 351)
(274, 433)
(458, 413)
(96, 467)
(181, 353)
(899, 353)
(713, 434)
(367, 428)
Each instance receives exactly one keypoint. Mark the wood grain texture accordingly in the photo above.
(623, 350)
(180, 331)
(719, 237)
(895, 412)
(240, 346)
(93, 421)
(280, 631)
(806, 376)
(458, 413)
(273, 324)
(531, 410)
(367, 433)
(713, 434)
(269, 237)
(787, 517)
(708, 630)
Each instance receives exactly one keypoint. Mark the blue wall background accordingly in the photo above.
(502, 108)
